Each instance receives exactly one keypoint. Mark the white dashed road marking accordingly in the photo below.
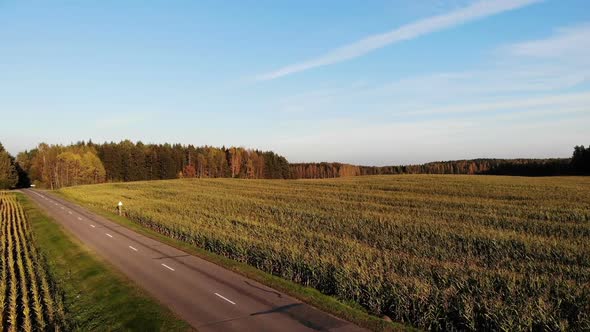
(109, 235)
(132, 248)
(225, 298)
(168, 267)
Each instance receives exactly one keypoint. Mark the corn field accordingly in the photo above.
(437, 252)
(28, 299)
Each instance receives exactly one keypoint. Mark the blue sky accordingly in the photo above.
(365, 82)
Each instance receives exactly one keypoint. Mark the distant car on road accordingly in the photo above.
(32, 186)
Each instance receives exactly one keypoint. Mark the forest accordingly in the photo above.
(579, 164)
(57, 166)
(10, 172)
(522, 167)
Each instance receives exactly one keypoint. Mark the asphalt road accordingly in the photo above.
(207, 296)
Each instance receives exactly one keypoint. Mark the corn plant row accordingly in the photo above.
(27, 295)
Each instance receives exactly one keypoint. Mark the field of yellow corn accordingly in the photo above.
(434, 251)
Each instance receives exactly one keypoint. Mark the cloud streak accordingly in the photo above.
(564, 102)
(472, 12)
(569, 42)
(552, 72)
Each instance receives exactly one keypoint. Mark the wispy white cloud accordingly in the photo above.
(557, 102)
(526, 72)
(573, 41)
(513, 78)
(472, 12)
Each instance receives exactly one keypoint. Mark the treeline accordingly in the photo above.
(126, 161)
(579, 164)
(535, 167)
(524, 167)
(529, 167)
(581, 160)
(324, 170)
(8, 170)
(56, 166)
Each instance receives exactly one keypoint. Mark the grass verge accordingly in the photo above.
(348, 311)
(97, 297)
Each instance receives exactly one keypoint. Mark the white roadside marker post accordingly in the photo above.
(120, 207)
